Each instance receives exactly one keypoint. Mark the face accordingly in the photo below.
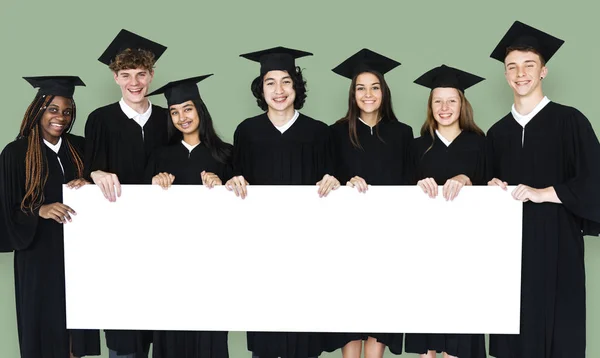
(278, 90)
(56, 118)
(445, 105)
(134, 84)
(368, 93)
(523, 71)
(185, 117)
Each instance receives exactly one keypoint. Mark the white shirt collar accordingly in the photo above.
(524, 119)
(189, 146)
(55, 147)
(287, 126)
(132, 114)
(444, 140)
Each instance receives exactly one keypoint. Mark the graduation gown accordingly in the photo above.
(265, 156)
(558, 148)
(115, 144)
(186, 166)
(39, 255)
(299, 156)
(465, 155)
(383, 160)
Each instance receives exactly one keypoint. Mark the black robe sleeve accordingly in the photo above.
(96, 152)
(20, 227)
(581, 193)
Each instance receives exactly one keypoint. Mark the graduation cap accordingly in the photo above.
(522, 35)
(276, 58)
(55, 85)
(446, 76)
(365, 60)
(180, 91)
(126, 39)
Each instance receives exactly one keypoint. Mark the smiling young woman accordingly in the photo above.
(33, 169)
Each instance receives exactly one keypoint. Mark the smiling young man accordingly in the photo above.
(550, 152)
(119, 140)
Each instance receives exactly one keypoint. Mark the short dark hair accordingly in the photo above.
(299, 85)
(525, 48)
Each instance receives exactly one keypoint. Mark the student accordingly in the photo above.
(550, 152)
(281, 147)
(198, 156)
(119, 139)
(33, 169)
(449, 152)
(371, 148)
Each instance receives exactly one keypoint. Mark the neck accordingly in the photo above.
(280, 118)
(525, 104)
(450, 132)
(192, 138)
(51, 139)
(370, 118)
(140, 107)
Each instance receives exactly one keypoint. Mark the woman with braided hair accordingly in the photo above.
(33, 169)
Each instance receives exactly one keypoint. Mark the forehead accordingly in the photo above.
(133, 71)
(61, 101)
(518, 56)
(366, 78)
(445, 92)
(181, 105)
(275, 74)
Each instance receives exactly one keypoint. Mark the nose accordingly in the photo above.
(520, 71)
(278, 88)
(444, 105)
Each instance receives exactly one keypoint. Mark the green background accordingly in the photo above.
(66, 37)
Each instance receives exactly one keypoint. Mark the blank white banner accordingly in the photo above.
(283, 259)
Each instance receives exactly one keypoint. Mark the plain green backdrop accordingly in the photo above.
(66, 38)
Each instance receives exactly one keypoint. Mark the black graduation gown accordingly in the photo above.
(265, 156)
(299, 156)
(559, 149)
(383, 160)
(39, 256)
(186, 167)
(114, 144)
(465, 155)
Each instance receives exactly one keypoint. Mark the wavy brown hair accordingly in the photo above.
(465, 121)
(386, 112)
(130, 59)
(36, 164)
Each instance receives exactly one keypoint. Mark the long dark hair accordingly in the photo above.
(219, 150)
(36, 164)
(386, 112)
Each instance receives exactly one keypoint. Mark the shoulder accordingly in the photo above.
(108, 110)
(399, 127)
(499, 125)
(251, 122)
(16, 148)
(76, 140)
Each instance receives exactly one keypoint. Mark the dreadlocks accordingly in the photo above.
(36, 163)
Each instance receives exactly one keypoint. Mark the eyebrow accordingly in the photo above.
(372, 84)
(514, 63)
(272, 79)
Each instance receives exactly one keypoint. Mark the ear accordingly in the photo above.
(544, 72)
(115, 75)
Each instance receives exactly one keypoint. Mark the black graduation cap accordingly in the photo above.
(446, 76)
(365, 60)
(521, 34)
(126, 39)
(180, 91)
(55, 85)
(276, 58)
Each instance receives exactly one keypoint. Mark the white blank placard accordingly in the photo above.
(283, 259)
